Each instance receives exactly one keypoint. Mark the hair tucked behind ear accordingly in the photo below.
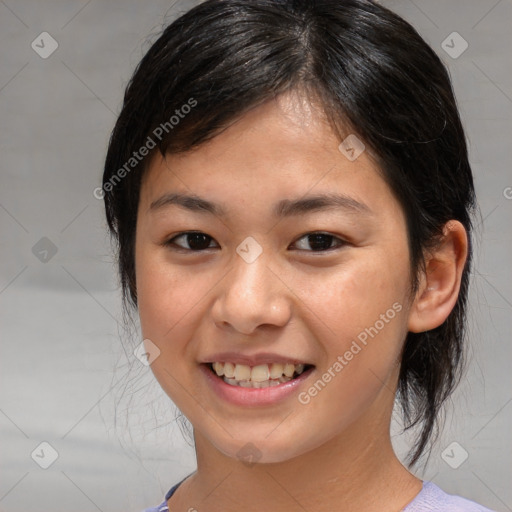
(372, 73)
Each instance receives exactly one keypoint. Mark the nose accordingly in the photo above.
(250, 296)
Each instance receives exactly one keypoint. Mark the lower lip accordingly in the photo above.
(253, 396)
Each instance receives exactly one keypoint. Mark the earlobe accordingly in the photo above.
(440, 283)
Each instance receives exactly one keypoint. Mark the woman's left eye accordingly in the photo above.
(321, 242)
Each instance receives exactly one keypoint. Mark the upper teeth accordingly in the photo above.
(259, 373)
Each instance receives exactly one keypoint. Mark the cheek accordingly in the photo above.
(360, 315)
(353, 296)
(360, 320)
(165, 294)
(169, 302)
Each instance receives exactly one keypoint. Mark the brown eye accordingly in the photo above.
(192, 240)
(320, 242)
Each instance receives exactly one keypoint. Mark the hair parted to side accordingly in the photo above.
(372, 73)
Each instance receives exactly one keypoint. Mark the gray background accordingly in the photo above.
(63, 371)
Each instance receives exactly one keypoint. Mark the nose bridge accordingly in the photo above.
(251, 281)
(252, 295)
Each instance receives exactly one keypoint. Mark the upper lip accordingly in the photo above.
(252, 360)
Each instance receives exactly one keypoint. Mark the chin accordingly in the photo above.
(265, 449)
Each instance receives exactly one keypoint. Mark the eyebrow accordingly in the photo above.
(284, 208)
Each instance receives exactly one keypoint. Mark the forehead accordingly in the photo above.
(282, 149)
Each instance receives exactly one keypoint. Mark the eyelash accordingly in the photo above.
(170, 243)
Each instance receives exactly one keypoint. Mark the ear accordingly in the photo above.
(440, 283)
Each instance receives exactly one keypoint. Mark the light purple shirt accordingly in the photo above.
(431, 498)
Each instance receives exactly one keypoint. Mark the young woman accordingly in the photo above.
(289, 188)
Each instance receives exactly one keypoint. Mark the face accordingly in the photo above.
(298, 255)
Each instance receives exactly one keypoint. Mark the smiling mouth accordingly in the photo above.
(260, 376)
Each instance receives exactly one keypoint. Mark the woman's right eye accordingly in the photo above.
(196, 241)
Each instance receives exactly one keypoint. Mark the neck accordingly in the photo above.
(349, 472)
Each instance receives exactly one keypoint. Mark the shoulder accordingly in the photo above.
(432, 498)
(161, 508)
